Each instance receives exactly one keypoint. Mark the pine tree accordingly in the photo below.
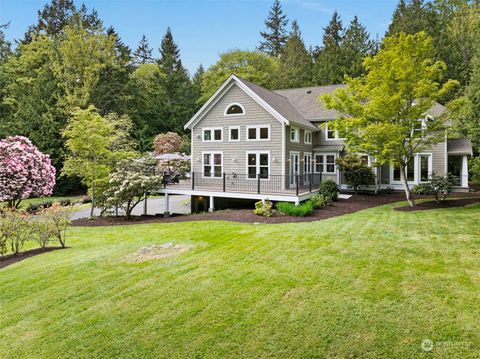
(412, 16)
(329, 62)
(473, 95)
(143, 53)
(178, 100)
(197, 82)
(356, 46)
(296, 62)
(275, 37)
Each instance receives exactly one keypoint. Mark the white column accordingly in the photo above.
(464, 174)
(166, 212)
(212, 205)
(145, 208)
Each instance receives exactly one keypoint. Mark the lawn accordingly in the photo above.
(374, 284)
(24, 203)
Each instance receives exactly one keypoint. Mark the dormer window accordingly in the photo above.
(234, 109)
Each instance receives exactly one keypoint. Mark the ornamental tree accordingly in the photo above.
(356, 171)
(24, 171)
(169, 142)
(384, 112)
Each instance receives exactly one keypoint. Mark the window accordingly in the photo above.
(307, 138)
(213, 134)
(409, 170)
(294, 134)
(234, 132)
(325, 163)
(307, 164)
(234, 109)
(425, 167)
(258, 163)
(212, 164)
(257, 133)
(331, 133)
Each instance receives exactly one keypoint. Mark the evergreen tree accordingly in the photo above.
(473, 96)
(329, 61)
(59, 13)
(296, 62)
(275, 37)
(178, 100)
(197, 82)
(5, 46)
(143, 53)
(356, 46)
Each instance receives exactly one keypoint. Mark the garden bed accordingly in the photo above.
(10, 259)
(337, 208)
(451, 203)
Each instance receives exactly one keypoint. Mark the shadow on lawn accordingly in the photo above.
(10, 259)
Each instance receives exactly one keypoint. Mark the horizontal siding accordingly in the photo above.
(320, 137)
(302, 147)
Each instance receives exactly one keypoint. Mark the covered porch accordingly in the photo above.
(458, 151)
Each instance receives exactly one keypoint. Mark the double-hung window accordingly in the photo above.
(258, 133)
(424, 164)
(331, 133)
(325, 163)
(212, 164)
(213, 134)
(294, 134)
(307, 138)
(258, 163)
(409, 171)
(234, 133)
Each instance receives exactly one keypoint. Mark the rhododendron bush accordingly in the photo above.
(24, 171)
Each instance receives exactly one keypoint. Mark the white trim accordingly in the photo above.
(336, 138)
(284, 153)
(416, 169)
(258, 153)
(234, 114)
(257, 133)
(305, 133)
(297, 134)
(215, 97)
(212, 165)
(230, 128)
(418, 166)
(324, 155)
(212, 129)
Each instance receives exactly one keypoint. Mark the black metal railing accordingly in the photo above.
(240, 182)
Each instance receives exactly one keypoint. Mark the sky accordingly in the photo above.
(205, 28)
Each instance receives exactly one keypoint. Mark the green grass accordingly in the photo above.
(24, 204)
(370, 284)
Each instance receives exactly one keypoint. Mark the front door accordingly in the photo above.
(294, 167)
(307, 168)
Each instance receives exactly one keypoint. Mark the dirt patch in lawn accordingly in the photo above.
(158, 251)
(451, 203)
(337, 208)
(10, 259)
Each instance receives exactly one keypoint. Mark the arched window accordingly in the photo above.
(234, 109)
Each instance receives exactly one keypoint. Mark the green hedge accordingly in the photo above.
(290, 209)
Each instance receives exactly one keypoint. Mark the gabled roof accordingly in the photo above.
(278, 106)
(459, 146)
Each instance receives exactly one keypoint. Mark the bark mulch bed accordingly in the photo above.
(10, 259)
(451, 203)
(338, 208)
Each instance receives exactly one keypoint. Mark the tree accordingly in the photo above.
(412, 16)
(356, 171)
(90, 140)
(329, 61)
(296, 62)
(169, 142)
(356, 45)
(275, 37)
(197, 82)
(382, 109)
(131, 183)
(24, 171)
(143, 54)
(252, 66)
(178, 101)
(5, 46)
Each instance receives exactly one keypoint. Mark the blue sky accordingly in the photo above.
(205, 28)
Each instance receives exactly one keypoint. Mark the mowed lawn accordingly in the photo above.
(371, 284)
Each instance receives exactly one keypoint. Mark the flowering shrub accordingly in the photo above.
(169, 142)
(24, 171)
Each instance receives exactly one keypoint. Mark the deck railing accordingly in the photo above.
(240, 182)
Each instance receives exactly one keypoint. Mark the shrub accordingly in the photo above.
(290, 209)
(356, 171)
(319, 201)
(65, 202)
(34, 207)
(41, 232)
(329, 189)
(423, 189)
(264, 208)
(475, 169)
(58, 219)
(14, 230)
(438, 186)
(388, 190)
(85, 200)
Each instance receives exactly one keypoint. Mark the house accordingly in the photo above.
(250, 143)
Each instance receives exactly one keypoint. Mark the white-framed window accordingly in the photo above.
(307, 163)
(424, 167)
(212, 134)
(331, 134)
(418, 169)
(258, 133)
(234, 133)
(258, 162)
(234, 109)
(294, 134)
(325, 163)
(307, 137)
(212, 164)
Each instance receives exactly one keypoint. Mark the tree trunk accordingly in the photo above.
(93, 199)
(408, 192)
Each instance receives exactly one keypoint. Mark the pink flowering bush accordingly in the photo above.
(24, 171)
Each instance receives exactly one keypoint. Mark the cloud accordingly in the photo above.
(316, 6)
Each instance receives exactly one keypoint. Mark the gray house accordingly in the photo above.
(251, 143)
